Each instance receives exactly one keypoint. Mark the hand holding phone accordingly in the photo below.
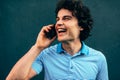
(51, 32)
(46, 36)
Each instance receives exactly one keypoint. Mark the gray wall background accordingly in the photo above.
(21, 21)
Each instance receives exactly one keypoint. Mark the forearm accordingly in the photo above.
(23, 66)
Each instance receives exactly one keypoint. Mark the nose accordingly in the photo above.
(59, 23)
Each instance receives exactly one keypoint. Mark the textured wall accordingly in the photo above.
(21, 20)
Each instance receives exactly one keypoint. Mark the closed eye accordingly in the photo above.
(67, 17)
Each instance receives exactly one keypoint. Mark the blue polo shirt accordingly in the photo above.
(87, 64)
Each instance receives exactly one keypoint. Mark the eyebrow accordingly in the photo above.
(65, 16)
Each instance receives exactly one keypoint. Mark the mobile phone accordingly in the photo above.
(51, 33)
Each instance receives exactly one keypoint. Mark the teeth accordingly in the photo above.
(59, 30)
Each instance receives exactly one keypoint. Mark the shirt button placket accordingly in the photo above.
(71, 66)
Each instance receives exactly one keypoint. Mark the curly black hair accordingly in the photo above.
(81, 12)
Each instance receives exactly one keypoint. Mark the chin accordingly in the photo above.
(61, 39)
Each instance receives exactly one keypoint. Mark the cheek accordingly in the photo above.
(74, 33)
(73, 29)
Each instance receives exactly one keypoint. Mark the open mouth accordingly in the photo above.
(62, 30)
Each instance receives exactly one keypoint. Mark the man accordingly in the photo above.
(70, 59)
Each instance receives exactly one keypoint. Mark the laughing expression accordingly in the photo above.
(67, 27)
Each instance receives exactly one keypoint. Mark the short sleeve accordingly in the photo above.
(37, 65)
(103, 69)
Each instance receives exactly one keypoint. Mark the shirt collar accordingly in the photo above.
(84, 50)
(59, 48)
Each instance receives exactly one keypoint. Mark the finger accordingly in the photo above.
(52, 25)
(46, 28)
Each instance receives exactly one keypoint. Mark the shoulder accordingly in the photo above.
(97, 56)
(96, 53)
(51, 49)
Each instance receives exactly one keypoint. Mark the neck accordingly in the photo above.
(72, 47)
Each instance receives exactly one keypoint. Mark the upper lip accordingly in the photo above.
(61, 30)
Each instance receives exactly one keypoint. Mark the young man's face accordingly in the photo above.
(67, 27)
